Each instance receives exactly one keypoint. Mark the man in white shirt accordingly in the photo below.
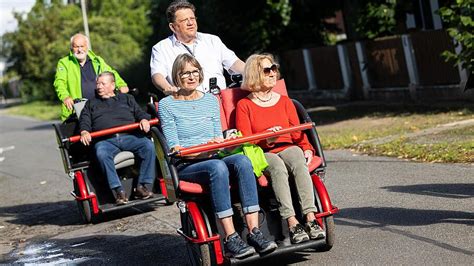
(208, 49)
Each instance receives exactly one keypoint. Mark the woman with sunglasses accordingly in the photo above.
(190, 117)
(288, 155)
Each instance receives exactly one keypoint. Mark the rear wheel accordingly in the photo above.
(330, 233)
(198, 254)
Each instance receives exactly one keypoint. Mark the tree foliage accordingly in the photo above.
(118, 32)
(249, 26)
(459, 19)
(123, 32)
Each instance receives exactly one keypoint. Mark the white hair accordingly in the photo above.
(82, 35)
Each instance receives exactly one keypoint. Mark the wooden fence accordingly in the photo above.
(407, 66)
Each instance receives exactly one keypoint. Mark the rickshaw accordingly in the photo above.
(199, 228)
(90, 188)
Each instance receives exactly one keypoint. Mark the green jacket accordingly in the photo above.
(67, 81)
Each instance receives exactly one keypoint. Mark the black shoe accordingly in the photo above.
(235, 247)
(314, 230)
(259, 242)
(142, 192)
(298, 234)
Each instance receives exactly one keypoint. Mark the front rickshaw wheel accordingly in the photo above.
(328, 223)
(85, 210)
(330, 229)
(83, 206)
(198, 254)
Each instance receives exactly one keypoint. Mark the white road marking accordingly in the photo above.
(2, 149)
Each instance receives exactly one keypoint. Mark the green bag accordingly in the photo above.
(253, 152)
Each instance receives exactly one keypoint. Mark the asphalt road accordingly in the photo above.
(392, 212)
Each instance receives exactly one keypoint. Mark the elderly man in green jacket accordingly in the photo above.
(76, 74)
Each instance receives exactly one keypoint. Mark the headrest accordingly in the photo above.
(230, 97)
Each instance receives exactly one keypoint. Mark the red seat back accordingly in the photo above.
(230, 97)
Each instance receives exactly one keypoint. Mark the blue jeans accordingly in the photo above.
(216, 174)
(141, 146)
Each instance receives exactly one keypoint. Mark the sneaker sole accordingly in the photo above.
(318, 235)
(304, 239)
(269, 249)
(241, 256)
(143, 198)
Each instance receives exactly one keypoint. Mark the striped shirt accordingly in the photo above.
(188, 123)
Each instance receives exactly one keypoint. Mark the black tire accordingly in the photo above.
(330, 229)
(329, 225)
(198, 254)
(85, 210)
(84, 206)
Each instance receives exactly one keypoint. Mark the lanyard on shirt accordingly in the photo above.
(187, 48)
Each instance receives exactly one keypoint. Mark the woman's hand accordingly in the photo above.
(216, 140)
(270, 141)
(308, 155)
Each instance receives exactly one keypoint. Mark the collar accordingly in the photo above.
(176, 42)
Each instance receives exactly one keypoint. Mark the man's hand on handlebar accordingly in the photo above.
(69, 102)
(124, 89)
(86, 138)
(145, 125)
(170, 90)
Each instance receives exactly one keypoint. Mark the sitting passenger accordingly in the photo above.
(111, 110)
(287, 155)
(190, 117)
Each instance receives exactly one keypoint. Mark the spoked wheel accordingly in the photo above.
(198, 254)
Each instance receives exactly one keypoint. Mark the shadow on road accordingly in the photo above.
(455, 191)
(149, 249)
(403, 217)
(383, 218)
(61, 213)
(48, 126)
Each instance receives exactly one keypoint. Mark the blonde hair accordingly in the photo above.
(253, 76)
(178, 66)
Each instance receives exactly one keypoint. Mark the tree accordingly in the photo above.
(458, 17)
(118, 32)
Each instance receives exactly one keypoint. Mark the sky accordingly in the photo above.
(7, 22)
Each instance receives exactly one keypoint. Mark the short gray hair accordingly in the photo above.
(107, 74)
(80, 35)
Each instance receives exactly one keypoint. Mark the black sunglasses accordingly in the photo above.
(274, 68)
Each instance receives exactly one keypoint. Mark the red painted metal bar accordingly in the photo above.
(113, 130)
(238, 141)
(322, 193)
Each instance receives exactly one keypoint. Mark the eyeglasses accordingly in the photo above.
(274, 68)
(188, 74)
(191, 20)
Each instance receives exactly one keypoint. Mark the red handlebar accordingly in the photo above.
(238, 141)
(113, 130)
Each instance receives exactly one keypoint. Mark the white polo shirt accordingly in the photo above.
(208, 49)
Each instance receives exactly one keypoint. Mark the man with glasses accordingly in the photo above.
(208, 49)
(76, 74)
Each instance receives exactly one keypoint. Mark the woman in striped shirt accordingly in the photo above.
(190, 117)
